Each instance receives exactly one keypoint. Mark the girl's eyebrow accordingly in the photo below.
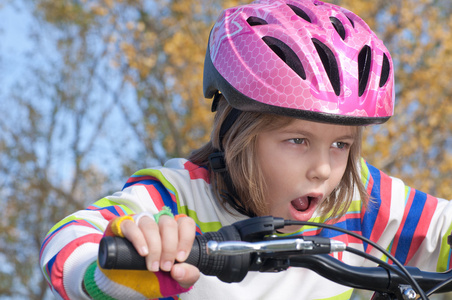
(308, 134)
(346, 137)
(289, 130)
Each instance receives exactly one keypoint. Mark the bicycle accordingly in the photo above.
(252, 245)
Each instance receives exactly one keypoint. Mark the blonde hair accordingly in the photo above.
(239, 144)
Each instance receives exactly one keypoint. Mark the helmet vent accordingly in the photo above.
(286, 54)
(255, 21)
(299, 12)
(386, 68)
(337, 24)
(364, 60)
(330, 64)
(351, 22)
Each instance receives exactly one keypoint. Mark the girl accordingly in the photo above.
(293, 82)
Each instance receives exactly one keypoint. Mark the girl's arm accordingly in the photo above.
(69, 251)
(413, 225)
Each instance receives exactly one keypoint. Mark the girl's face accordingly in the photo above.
(302, 164)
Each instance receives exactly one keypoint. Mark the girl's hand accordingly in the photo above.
(163, 244)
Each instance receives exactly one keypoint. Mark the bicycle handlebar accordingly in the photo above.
(251, 245)
(227, 253)
(376, 279)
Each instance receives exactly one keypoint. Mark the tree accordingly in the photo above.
(48, 135)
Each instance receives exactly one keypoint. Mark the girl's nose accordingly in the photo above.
(320, 166)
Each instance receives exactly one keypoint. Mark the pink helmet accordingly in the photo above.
(300, 58)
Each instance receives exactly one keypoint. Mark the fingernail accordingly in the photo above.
(155, 266)
(167, 266)
(179, 272)
(181, 255)
(144, 251)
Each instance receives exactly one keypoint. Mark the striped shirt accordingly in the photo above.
(411, 225)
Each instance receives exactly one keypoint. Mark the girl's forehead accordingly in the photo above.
(299, 125)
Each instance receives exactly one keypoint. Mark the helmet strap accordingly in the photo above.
(216, 159)
(218, 163)
(227, 124)
(215, 101)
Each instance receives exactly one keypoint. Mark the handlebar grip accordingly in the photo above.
(198, 257)
(119, 253)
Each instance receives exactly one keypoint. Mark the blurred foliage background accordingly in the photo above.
(112, 86)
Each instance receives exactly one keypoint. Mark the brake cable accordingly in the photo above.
(408, 276)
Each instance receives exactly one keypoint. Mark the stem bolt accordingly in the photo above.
(409, 294)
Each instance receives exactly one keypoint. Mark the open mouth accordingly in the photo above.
(302, 203)
(303, 208)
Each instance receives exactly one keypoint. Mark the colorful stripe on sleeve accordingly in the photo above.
(417, 215)
(161, 191)
(63, 238)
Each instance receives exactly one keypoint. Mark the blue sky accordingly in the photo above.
(16, 26)
(13, 40)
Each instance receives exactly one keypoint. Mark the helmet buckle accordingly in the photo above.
(217, 163)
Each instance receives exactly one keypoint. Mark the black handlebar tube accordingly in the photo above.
(369, 278)
(376, 279)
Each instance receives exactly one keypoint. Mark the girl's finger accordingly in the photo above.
(131, 232)
(186, 275)
(187, 233)
(151, 233)
(170, 238)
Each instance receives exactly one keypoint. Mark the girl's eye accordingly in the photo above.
(341, 145)
(298, 141)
